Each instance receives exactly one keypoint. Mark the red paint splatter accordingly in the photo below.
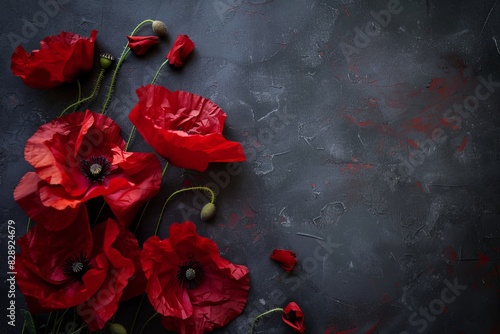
(354, 168)
(354, 121)
(463, 145)
(483, 260)
(420, 186)
(413, 143)
(247, 226)
(346, 10)
(248, 212)
(451, 255)
(234, 218)
(439, 85)
(386, 298)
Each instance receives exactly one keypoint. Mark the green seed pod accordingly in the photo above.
(208, 212)
(117, 329)
(159, 28)
(106, 60)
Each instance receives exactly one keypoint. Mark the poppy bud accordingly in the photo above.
(208, 212)
(117, 329)
(106, 60)
(159, 28)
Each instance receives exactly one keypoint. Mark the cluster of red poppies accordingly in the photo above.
(68, 261)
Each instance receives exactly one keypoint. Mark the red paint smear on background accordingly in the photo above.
(386, 298)
(451, 255)
(413, 143)
(439, 85)
(484, 260)
(420, 186)
(354, 121)
(234, 218)
(463, 145)
(355, 168)
(247, 226)
(248, 212)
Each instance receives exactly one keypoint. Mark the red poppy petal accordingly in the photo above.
(184, 128)
(60, 59)
(164, 292)
(221, 295)
(41, 261)
(97, 310)
(286, 258)
(27, 195)
(294, 317)
(141, 44)
(182, 47)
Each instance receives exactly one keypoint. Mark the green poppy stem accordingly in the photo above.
(147, 203)
(178, 192)
(125, 52)
(147, 322)
(152, 82)
(97, 85)
(263, 314)
(159, 70)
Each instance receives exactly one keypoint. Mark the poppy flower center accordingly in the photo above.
(76, 266)
(190, 274)
(96, 168)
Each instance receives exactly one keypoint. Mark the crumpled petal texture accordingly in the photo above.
(184, 128)
(141, 44)
(294, 317)
(56, 152)
(60, 59)
(41, 278)
(218, 299)
(286, 258)
(182, 47)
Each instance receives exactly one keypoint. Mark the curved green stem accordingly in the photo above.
(147, 203)
(152, 82)
(125, 52)
(90, 97)
(147, 322)
(28, 225)
(263, 314)
(79, 92)
(159, 70)
(136, 314)
(178, 192)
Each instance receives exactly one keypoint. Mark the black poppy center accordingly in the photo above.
(76, 266)
(291, 316)
(96, 168)
(190, 274)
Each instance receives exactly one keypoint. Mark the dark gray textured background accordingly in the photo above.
(326, 138)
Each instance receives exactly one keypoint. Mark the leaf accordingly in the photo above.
(29, 322)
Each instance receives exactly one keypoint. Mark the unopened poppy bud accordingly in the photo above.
(208, 211)
(117, 329)
(159, 28)
(106, 60)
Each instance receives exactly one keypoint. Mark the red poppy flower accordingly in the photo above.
(77, 267)
(60, 59)
(286, 258)
(294, 317)
(78, 157)
(182, 47)
(141, 44)
(189, 284)
(184, 128)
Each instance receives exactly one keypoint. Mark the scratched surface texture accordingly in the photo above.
(372, 135)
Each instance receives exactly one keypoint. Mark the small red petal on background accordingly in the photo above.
(61, 58)
(141, 44)
(286, 258)
(182, 47)
(294, 317)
